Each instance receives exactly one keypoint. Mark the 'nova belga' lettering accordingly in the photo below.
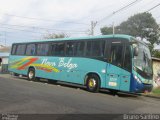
(67, 64)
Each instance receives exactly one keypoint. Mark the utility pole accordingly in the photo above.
(5, 38)
(93, 25)
(113, 29)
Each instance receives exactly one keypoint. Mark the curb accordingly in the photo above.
(151, 96)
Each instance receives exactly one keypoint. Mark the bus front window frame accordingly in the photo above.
(142, 61)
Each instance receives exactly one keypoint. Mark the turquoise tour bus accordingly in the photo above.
(113, 62)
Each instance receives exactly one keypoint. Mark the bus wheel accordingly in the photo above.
(93, 83)
(15, 74)
(31, 74)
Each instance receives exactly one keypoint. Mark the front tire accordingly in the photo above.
(93, 83)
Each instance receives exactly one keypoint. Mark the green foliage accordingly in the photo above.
(156, 91)
(53, 36)
(141, 25)
(106, 30)
(156, 53)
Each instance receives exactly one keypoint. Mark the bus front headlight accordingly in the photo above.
(137, 79)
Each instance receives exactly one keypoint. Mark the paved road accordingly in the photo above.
(18, 95)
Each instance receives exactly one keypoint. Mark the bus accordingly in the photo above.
(115, 62)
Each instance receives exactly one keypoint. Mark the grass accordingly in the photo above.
(156, 91)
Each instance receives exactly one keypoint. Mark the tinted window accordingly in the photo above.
(79, 48)
(95, 48)
(42, 49)
(13, 50)
(98, 48)
(20, 49)
(58, 49)
(127, 60)
(70, 49)
(30, 50)
(53, 47)
(116, 54)
(89, 48)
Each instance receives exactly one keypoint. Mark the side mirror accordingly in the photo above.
(136, 51)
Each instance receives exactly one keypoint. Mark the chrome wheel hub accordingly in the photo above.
(30, 74)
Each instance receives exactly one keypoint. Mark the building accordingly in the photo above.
(156, 69)
(4, 62)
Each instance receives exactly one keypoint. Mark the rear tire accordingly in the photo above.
(15, 74)
(93, 83)
(31, 75)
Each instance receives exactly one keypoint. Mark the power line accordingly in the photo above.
(45, 20)
(153, 7)
(23, 37)
(40, 32)
(22, 30)
(129, 5)
(42, 28)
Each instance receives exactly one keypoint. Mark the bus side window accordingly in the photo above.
(20, 49)
(95, 48)
(79, 49)
(89, 48)
(59, 49)
(70, 49)
(31, 48)
(116, 54)
(42, 49)
(13, 49)
(53, 47)
(127, 60)
(98, 48)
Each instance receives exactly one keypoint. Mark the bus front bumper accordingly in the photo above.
(143, 88)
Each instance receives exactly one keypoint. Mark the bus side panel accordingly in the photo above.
(74, 69)
(84, 66)
(15, 62)
(46, 68)
(125, 81)
(117, 78)
(113, 77)
(59, 68)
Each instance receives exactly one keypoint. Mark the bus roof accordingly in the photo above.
(84, 38)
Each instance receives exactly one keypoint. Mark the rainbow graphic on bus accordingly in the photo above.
(24, 63)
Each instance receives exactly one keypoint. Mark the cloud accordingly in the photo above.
(65, 14)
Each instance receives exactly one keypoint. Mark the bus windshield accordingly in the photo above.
(143, 61)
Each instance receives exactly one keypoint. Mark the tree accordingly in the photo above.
(156, 53)
(106, 30)
(53, 35)
(141, 25)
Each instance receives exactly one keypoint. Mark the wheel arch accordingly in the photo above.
(30, 68)
(92, 73)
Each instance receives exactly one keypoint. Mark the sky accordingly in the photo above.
(27, 20)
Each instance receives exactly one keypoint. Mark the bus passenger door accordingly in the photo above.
(127, 68)
(114, 67)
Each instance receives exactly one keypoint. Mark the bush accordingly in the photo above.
(156, 54)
